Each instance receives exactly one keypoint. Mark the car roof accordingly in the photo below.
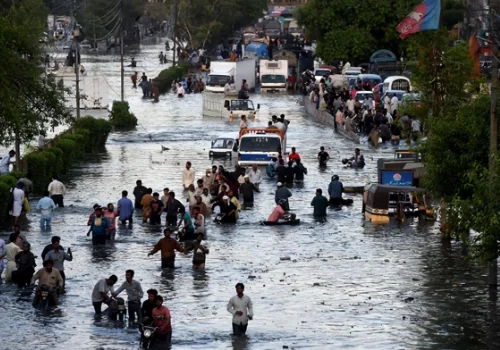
(396, 91)
(364, 92)
(229, 135)
(369, 76)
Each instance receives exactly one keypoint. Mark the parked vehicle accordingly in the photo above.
(380, 202)
(273, 75)
(372, 79)
(397, 83)
(225, 145)
(411, 99)
(223, 71)
(322, 72)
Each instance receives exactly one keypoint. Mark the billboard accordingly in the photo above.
(397, 177)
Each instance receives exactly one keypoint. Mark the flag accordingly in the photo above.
(423, 17)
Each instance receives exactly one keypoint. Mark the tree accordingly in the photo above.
(30, 101)
(203, 23)
(353, 30)
(101, 19)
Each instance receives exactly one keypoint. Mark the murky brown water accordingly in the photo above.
(348, 285)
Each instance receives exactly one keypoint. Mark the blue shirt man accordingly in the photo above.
(125, 209)
(335, 188)
(46, 206)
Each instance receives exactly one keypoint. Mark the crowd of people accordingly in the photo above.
(381, 123)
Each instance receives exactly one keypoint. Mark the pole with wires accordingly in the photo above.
(122, 76)
(76, 34)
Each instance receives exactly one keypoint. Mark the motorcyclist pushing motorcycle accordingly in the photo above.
(50, 277)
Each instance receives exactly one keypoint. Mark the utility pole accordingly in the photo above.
(492, 265)
(76, 34)
(174, 32)
(122, 76)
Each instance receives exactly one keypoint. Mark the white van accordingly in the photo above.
(225, 145)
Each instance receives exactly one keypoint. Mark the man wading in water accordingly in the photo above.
(168, 246)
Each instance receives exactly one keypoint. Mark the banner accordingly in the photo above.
(423, 17)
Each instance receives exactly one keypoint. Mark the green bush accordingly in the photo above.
(121, 117)
(9, 180)
(58, 165)
(18, 174)
(40, 167)
(79, 141)
(167, 76)
(69, 155)
(88, 135)
(4, 199)
(96, 131)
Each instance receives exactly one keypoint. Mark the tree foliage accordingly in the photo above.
(29, 101)
(203, 23)
(457, 151)
(353, 30)
(101, 18)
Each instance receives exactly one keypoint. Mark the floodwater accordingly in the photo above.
(347, 285)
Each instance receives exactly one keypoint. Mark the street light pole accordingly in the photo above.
(122, 75)
(76, 34)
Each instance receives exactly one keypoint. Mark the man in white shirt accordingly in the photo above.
(350, 104)
(394, 103)
(255, 176)
(101, 292)
(415, 126)
(5, 162)
(57, 190)
(240, 306)
(187, 176)
(389, 117)
(387, 102)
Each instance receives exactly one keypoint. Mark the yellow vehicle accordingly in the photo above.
(380, 202)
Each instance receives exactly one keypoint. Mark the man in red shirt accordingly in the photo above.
(294, 156)
(161, 317)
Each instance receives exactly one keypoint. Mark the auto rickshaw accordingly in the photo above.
(380, 202)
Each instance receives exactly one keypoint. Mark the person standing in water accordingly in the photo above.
(188, 176)
(126, 210)
(241, 307)
(323, 157)
(139, 192)
(320, 203)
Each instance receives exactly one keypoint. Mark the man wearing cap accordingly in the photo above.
(282, 193)
(229, 210)
(246, 189)
(167, 246)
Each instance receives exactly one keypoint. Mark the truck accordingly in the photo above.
(258, 146)
(222, 71)
(273, 75)
(217, 105)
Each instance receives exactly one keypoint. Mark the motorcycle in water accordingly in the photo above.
(117, 309)
(43, 294)
(147, 335)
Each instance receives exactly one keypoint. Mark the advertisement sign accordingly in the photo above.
(397, 177)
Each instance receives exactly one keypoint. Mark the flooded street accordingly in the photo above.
(347, 284)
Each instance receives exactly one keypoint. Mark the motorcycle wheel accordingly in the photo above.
(120, 317)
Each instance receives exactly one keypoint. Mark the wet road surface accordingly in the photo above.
(347, 284)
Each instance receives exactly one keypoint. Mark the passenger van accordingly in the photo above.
(397, 83)
(258, 145)
(225, 145)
